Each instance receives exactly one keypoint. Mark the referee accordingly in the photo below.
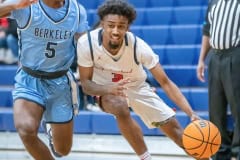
(221, 34)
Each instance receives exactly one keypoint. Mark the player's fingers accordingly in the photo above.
(121, 88)
(123, 94)
(124, 81)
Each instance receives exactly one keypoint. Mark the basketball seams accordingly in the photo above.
(209, 131)
(201, 139)
(214, 144)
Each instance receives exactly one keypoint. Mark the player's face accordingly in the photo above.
(114, 29)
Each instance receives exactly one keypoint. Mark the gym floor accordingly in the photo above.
(95, 147)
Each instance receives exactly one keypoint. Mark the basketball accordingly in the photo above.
(201, 139)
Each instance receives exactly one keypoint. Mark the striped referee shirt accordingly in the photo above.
(222, 23)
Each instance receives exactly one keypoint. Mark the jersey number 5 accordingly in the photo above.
(50, 50)
(117, 77)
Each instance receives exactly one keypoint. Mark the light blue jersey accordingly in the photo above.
(46, 35)
(47, 50)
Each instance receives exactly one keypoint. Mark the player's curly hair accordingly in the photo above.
(119, 7)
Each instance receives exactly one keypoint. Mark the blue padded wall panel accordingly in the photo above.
(103, 123)
(6, 120)
(6, 97)
(83, 122)
(7, 74)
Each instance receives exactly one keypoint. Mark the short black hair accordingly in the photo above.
(119, 7)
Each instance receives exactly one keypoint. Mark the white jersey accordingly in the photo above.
(108, 68)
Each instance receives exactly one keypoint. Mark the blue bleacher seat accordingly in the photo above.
(183, 76)
(91, 4)
(197, 97)
(153, 35)
(188, 15)
(159, 16)
(178, 55)
(183, 35)
(190, 2)
(165, 35)
(162, 16)
(139, 3)
(161, 3)
(141, 17)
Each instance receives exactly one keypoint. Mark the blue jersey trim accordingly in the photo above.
(29, 18)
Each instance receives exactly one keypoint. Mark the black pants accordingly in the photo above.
(224, 90)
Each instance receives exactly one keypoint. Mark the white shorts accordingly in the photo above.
(148, 105)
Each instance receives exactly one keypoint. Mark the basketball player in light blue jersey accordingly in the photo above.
(45, 88)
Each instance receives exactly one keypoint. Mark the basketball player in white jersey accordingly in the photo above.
(44, 84)
(111, 62)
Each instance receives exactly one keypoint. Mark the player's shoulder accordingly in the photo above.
(93, 35)
(132, 38)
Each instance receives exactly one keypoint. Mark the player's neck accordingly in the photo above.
(111, 50)
(54, 3)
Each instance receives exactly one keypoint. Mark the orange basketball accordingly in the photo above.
(201, 139)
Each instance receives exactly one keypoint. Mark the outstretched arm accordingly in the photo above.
(8, 6)
(92, 88)
(172, 91)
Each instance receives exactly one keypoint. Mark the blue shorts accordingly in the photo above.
(54, 95)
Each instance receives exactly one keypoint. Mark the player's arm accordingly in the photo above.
(92, 88)
(7, 6)
(83, 25)
(172, 90)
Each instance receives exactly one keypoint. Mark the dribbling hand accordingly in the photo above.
(119, 88)
(194, 117)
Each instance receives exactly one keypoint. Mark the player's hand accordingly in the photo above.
(19, 4)
(119, 88)
(200, 71)
(194, 117)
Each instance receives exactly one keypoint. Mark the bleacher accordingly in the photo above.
(173, 29)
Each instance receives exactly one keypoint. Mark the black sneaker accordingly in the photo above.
(48, 131)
